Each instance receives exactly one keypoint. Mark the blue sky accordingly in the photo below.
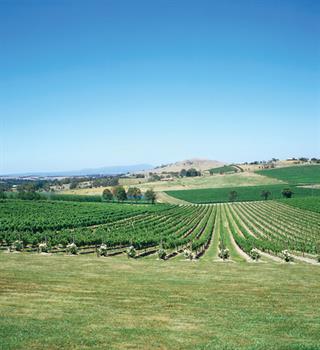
(95, 83)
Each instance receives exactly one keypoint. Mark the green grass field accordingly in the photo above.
(306, 174)
(61, 302)
(249, 193)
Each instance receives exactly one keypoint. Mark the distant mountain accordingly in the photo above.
(109, 170)
(199, 164)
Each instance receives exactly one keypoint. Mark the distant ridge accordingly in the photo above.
(109, 170)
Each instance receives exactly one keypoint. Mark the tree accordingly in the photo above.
(183, 172)
(2, 194)
(135, 193)
(107, 195)
(150, 196)
(28, 191)
(120, 193)
(287, 193)
(73, 185)
(192, 172)
(265, 194)
(233, 196)
(3, 191)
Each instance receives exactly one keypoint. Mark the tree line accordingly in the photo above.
(134, 193)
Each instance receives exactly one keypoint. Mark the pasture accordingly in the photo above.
(249, 193)
(304, 174)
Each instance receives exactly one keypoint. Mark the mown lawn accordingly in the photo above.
(60, 302)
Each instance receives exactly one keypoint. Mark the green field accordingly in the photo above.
(250, 193)
(58, 302)
(306, 174)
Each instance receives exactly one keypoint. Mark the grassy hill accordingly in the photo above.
(306, 174)
(245, 193)
(199, 164)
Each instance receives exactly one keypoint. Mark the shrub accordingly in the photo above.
(16, 246)
(287, 257)
(188, 254)
(254, 254)
(43, 247)
(102, 250)
(72, 248)
(131, 252)
(224, 253)
(162, 253)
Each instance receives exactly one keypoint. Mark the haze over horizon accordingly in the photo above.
(105, 83)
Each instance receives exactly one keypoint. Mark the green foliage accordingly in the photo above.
(17, 246)
(72, 248)
(103, 250)
(162, 253)
(233, 195)
(150, 196)
(73, 185)
(188, 254)
(224, 252)
(106, 181)
(107, 195)
(287, 193)
(192, 172)
(120, 193)
(183, 172)
(223, 170)
(43, 247)
(134, 193)
(265, 194)
(305, 174)
(131, 252)
(254, 254)
(287, 257)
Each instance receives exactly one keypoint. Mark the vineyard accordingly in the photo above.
(241, 231)
(308, 203)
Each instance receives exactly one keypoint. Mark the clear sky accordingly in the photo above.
(96, 83)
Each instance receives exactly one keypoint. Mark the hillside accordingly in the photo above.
(199, 164)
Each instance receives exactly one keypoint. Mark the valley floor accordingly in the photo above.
(84, 302)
